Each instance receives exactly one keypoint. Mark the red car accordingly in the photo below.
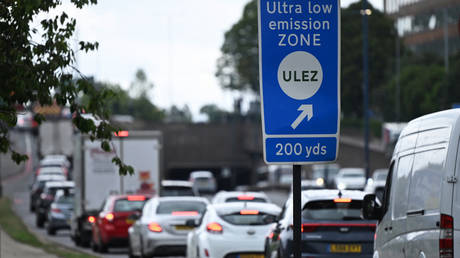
(111, 226)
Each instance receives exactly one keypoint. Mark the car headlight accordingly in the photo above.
(320, 181)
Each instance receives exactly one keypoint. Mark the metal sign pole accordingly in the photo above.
(297, 195)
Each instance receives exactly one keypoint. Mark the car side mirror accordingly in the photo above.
(191, 223)
(371, 210)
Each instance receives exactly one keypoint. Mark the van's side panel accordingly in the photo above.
(455, 138)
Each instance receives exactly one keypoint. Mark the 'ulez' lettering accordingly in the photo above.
(300, 76)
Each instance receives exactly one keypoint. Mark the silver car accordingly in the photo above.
(161, 228)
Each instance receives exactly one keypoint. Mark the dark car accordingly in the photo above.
(47, 197)
(112, 223)
(60, 211)
(36, 188)
(332, 226)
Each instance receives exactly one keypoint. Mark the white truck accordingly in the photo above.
(55, 137)
(96, 177)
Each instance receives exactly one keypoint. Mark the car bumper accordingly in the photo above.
(58, 223)
(165, 244)
(334, 255)
(220, 247)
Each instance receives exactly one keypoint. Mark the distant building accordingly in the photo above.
(427, 25)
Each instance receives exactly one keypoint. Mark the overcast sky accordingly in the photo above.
(176, 42)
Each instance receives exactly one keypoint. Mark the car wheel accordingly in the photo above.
(39, 221)
(93, 246)
(50, 230)
(102, 248)
(130, 251)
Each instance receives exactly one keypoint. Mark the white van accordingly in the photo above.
(420, 213)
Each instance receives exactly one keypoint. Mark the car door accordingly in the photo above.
(392, 229)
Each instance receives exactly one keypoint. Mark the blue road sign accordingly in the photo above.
(299, 51)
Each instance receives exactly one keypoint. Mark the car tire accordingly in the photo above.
(39, 221)
(101, 247)
(130, 251)
(94, 246)
(50, 230)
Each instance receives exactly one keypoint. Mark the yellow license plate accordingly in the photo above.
(251, 256)
(343, 248)
(129, 221)
(183, 227)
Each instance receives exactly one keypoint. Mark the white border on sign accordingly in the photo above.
(265, 136)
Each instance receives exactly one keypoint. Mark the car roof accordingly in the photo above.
(328, 194)
(226, 194)
(51, 169)
(176, 183)
(51, 177)
(231, 207)
(201, 173)
(182, 198)
(351, 170)
(51, 184)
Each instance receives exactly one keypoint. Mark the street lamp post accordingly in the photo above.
(365, 13)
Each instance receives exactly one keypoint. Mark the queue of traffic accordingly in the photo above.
(178, 221)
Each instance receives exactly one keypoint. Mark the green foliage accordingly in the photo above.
(178, 115)
(139, 106)
(423, 87)
(382, 36)
(214, 113)
(42, 71)
(238, 67)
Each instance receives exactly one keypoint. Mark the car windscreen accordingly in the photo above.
(341, 209)
(53, 190)
(248, 218)
(169, 207)
(381, 177)
(176, 191)
(66, 199)
(353, 175)
(122, 205)
(236, 199)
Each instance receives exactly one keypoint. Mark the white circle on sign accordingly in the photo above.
(300, 75)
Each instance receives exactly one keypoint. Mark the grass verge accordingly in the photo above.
(15, 228)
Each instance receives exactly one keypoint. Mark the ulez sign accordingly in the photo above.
(299, 51)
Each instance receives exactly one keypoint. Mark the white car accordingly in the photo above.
(376, 184)
(177, 188)
(236, 229)
(203, 181)
(238, 196)
(350, 179)
(52, 171)
(162, 229)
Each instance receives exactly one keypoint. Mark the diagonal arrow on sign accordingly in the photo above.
(307, 110)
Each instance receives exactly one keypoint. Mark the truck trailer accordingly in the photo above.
(97, 177)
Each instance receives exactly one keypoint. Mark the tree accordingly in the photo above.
(238, 67)
(214, 113)
(178, 115)
(43, 72)
(141, 86)
(382, 36)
